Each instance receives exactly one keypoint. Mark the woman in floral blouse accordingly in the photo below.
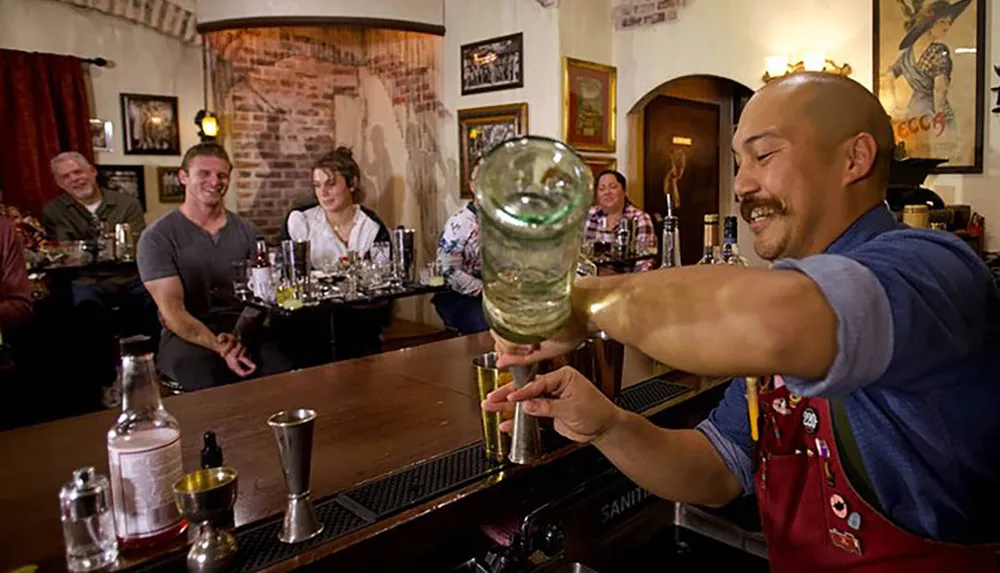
(461, 307)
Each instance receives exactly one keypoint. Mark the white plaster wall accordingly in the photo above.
(472, 20)
(147, 62)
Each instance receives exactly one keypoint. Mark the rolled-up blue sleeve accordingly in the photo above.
(864, 324)
(728, 429)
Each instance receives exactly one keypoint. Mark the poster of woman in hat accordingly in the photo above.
(929, 61)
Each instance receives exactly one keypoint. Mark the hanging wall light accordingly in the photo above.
(208, 125)
(780, 64)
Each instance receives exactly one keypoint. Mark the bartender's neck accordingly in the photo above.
(837, 219)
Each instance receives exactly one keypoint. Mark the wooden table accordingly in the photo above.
(330, 305)
(375, 415)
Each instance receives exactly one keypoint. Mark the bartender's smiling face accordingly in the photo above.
(798, 170)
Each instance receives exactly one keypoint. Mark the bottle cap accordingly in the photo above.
(137, 345)
(85, 495)
(915, 209)
(211, 453)
(712, 218)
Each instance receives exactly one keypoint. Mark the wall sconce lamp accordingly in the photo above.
(208, 125)
(778, 65)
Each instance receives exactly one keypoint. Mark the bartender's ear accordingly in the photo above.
(862, 153)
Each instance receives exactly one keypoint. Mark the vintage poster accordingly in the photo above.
(929, 59)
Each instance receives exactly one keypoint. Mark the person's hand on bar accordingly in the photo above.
(235, 355)
(580, 412)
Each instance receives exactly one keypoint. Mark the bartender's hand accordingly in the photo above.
(585, 293)
(579, 410)
(235, 354)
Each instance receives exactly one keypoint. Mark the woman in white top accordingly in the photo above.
(339, 223)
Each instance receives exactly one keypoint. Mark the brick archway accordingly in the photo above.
(164, 16)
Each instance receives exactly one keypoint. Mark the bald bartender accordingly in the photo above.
(877, 442)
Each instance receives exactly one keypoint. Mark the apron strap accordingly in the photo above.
(853, 463)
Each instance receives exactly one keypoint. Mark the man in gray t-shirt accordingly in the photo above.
(185, 260)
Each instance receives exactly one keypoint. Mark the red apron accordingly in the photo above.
(813, 518)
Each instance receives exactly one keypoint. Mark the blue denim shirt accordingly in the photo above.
(918, 369)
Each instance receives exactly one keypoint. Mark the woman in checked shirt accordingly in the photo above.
(613, 206)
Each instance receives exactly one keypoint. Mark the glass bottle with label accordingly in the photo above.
(533, 194)
(710, 255)
(144, 454)
(261, 279)
(730, 249)
(671, 256)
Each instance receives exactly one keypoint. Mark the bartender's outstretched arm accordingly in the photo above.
(712, 319)
(674, 464)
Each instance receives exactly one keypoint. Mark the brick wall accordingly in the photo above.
(279, 89)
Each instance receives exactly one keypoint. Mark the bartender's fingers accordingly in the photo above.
(551, 384)
(496, 401)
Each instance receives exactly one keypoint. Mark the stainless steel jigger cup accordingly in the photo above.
(526, 443)
(294, 432)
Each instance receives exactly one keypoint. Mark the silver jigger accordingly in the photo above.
(205, 497)
(526, 443)
(294, 432)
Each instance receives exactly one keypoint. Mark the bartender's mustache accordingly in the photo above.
(748, 204)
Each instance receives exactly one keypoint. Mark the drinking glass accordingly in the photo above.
(241, 279)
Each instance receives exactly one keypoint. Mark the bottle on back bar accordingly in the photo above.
(671, 245)
(709, 256)
(730, 249)
(144, 454)
(260, 272)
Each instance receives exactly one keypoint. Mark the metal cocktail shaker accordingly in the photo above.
(402, 254)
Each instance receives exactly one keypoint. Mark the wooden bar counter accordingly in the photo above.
(375, 415)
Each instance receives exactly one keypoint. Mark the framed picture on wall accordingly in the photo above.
(599, 163)
(928, 67)
(150, 125)
(101, 134)
(589, 92)
(126, 179)
(494, 64)
(171, 190)
(482, 128)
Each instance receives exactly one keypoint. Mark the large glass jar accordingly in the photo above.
(533, 195)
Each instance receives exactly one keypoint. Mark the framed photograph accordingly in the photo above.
(599, 163)
(482, 128)
(171, 190)
(589, 92)
(126, 179)
(101, 134)
(929, 59)
(494, 64)
(150, 125)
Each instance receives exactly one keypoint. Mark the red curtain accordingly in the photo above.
(43, 111)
